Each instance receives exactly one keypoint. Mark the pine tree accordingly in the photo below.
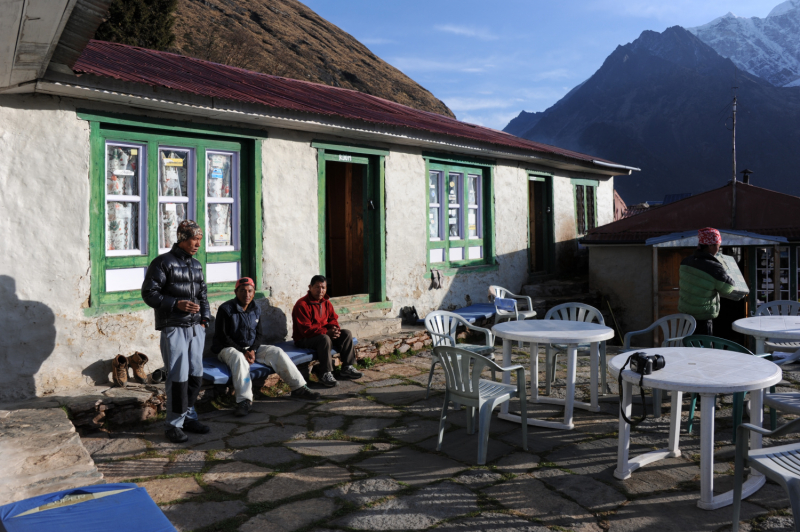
(145, 23)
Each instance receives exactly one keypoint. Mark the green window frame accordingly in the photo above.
(209, 175)
(585, 193)
(460, 211)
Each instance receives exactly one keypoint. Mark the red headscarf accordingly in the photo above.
(708, 236)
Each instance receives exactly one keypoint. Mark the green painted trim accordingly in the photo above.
(134, 305)
(381, 236)
(159, 123)
(342, 158)
(489, 229)
(256, 260)
(225, 256)
(321, 211)
(450, 159)
(536, 175)
(349, 148)
(587, 182)
(96, 210)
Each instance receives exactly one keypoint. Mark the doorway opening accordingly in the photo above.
(345, 248)
(538, 226)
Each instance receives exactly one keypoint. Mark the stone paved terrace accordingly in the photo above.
(364, 458)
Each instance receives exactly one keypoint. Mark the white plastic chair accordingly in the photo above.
(673, 329)
(780, 464)
(462, 373)
(573, 312)
(442, 327)
(780, 308)
(515, 314)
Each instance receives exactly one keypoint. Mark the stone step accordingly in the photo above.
(364, 327)
(371, 310)
(41, 453)
(344, 301)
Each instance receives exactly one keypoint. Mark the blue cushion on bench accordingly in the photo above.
(218, 372)
(472, 313)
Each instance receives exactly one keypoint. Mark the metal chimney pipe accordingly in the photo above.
(746, 176)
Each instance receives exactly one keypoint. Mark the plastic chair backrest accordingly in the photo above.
(712, 342)
(462, 371)
(779, 308)
(443, 322)
(575, 312)
(498, 291)
(675, 326)
(506, 304)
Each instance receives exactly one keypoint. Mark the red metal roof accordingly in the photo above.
(758, 210)
(187, 74)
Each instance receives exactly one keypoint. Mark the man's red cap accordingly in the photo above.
(244, 281)
(709, 236)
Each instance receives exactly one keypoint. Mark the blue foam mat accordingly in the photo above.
(472, 313)
(218, 372)
(130, 511)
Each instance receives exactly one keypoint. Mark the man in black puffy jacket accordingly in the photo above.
(175, 288)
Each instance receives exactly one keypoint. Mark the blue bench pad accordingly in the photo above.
(472, 313)
(218, 372)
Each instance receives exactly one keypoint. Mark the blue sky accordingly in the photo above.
(488, 60)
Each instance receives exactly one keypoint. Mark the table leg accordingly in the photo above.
(535, 371)
(707, 401)
(594, 362)
(760, 340)
(623, 471)
(506, 374)
(675, 424)
(569, 402)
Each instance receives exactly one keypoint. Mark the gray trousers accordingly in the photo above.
(322, 345)
(182, 351)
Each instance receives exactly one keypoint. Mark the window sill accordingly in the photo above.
(137, 304)
(461, 270)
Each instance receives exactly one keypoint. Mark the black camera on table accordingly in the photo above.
(646, 364)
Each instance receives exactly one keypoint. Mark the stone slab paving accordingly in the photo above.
(105, 449)
(128, 469)
(413, 429)
(354, 406)
(234, 477)
(478, 478)
(518, 463)
(190, 462)
(421, 510)
(398, 395)
(367, 428)
(193, 515)
(291, 484)
(412, 467)
(164, 490)
(291, 516)
(336, 450)
(382, 383)
(459, 445)
(365, 491)
(267, 435)
(586, 491)
(326, 426)
(270, 456)
(491, 522)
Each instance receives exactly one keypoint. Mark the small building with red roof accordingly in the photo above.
(635, 261)
(105, 148)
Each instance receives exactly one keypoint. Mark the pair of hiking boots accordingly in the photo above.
(120, 365)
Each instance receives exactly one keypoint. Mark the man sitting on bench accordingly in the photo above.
(238, 343)
(316, 326)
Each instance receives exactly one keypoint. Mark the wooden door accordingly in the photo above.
(538, 227)
(669, 264)
(345, 228)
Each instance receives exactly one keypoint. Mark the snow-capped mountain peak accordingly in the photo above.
(768, 47)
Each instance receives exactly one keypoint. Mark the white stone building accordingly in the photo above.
(103, 148)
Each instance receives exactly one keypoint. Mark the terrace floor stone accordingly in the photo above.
(267, 435)
(270, 456)
(518, 463)
(190, 462)
(492, 522)
(234, 477)
(291, 516)
(367, 428)
(365, 491)
(415, 429)
(285, 485)
(171, 489)
(418, 511)
(478, 478)
(398, 395)
(326, 426)
(106, 449)
(128, 469)
(411, 467)
(459, 445)
(586, 491)
(193, 515)
(358, 407)
(336, 450)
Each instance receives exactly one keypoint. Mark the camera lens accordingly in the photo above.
(659, 362)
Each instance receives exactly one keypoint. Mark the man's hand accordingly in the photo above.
(334, 332)
(188, 306)
(250, 356)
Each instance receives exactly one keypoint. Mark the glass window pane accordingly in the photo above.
(122, 170)
(218, 175)
(581, 214)
(221, 224)
(173, 171)
(472, 223)
(170, 215)
(590, 216)
(473, 189)
(453, 224)
(434, 223)
(452, 189)
(434, 187)
(122, 226)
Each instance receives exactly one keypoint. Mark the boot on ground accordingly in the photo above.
(119, 371)
(137, 361)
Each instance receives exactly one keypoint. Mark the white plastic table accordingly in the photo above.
(763, 327)
(571, 333)
(707, 372)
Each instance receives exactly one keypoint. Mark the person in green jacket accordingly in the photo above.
(702, 279)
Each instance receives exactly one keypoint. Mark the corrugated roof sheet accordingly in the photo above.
(672, 198)
(758, 210)
(187, 74)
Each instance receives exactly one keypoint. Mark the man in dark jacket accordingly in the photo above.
(702, 279)
(238, 343)
(315, 325)
(175, 288)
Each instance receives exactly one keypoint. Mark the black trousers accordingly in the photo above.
(705, 327)
(322, 345)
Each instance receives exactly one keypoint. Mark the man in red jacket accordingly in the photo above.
(316, 326)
